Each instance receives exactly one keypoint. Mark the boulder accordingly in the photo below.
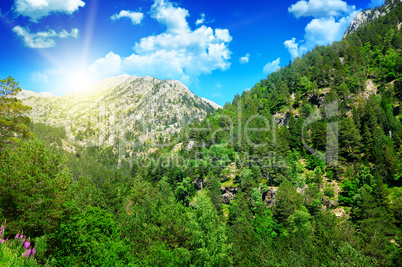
(269, 196)
(227, 197)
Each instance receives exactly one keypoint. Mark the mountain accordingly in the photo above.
(120, 108)
(24, 94)
(368, 15)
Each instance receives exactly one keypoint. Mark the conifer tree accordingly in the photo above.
(13, 119)
(287, 200)
(350, 140)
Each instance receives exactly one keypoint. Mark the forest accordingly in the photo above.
(213, 196)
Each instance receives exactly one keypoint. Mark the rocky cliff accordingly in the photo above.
(366, 16)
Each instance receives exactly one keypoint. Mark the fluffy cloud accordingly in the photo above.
(324, 28)
(42, 39)
(325, 31)
(245, 59)
(178, 53)
(293, 48)
(136, 17)
(201, 20)
(36, 9)
(109, 65)
(320, 8)
(174, 18)
(272, 66)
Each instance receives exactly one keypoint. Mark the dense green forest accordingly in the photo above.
(284, 205)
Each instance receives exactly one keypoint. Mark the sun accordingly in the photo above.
(77, 80)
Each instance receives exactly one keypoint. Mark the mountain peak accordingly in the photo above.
(368, 15)
(24, 94)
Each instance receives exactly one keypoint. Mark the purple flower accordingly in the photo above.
(2, 228)
(17, 236)
(21, 236)
(28, 253)
(33, 252)
(27, 244)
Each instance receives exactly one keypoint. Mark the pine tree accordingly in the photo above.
(241, 233)
(13, 119)
(214, 191)
(287, 200)
(349, 139)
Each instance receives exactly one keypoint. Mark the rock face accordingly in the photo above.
(227, 197)
(269, 196)
(281, 119)
(134, 110)
(330, 203)
(228, 194)
(368, 15)
(370, 89)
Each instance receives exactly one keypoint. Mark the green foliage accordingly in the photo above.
(91, 239)
(350, 140)
(348, 256)
(299, 221)
(33, 188)
(185, 190)
(210, 239)
(329, 192)
(349, 190)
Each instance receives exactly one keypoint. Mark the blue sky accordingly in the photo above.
(216, 48)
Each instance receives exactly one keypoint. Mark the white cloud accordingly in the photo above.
(109, 65)
(178, 53)
(245, 59)
(42, 39)
(135, 17)
(324, 31)
(272, 66)
(320, 8)
(36, 9)
(293, 48)
(201, 20)
(174, 18)
(324, 28)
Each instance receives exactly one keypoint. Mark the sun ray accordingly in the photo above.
(89, 30)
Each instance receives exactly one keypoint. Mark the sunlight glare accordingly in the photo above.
(78, 80)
